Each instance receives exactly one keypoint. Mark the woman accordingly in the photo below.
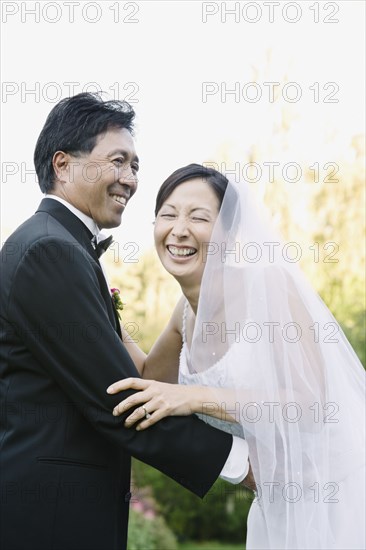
(256, 350)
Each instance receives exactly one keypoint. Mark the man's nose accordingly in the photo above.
(129, 178)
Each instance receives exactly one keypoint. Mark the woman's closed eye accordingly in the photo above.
(197, 219)
(168, 216)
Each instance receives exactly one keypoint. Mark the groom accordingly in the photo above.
(65, 459)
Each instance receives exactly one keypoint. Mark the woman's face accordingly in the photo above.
(183, 228)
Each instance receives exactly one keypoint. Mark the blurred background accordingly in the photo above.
(272, 92)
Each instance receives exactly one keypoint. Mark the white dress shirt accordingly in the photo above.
(236, 466)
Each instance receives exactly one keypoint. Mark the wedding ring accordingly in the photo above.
(147, 415)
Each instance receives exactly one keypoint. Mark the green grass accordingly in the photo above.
(210, 546)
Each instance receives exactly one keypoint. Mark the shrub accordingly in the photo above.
(147, 530)
(221, 515)
(145, 533)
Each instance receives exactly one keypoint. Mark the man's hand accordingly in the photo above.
(249, 481)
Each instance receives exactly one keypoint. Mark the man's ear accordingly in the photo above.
(61, 166)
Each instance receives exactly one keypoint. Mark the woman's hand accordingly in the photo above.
(156, 399)
(249, 481)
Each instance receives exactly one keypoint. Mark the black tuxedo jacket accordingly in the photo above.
(65, 460)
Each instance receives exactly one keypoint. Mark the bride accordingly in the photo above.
(257, 353)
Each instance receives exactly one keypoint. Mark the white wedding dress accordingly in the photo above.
(220, 375)
(223, 374)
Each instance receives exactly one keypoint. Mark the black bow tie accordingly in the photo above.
(102, 246)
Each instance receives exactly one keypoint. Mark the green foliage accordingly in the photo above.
(149, 533)
(339, 212)
(150, 295)
(327, 221)
(221, 515)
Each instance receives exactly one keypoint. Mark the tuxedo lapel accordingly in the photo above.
(117, 320)
(76, 227)
(83, 235)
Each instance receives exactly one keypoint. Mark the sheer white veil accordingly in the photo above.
(298, 387)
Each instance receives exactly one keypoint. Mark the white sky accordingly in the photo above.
(162, 60)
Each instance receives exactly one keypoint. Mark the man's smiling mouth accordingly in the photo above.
(119, 199)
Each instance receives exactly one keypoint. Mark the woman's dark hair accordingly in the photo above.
(215, 179)
(73, 126)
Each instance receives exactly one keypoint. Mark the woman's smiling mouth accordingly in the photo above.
(181, 251)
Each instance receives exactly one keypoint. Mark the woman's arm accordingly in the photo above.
(162, 362)
(161, 399)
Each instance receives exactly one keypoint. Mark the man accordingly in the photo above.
(65, 460)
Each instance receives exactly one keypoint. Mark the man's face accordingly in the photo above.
(101, 183)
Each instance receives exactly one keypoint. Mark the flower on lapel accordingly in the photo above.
(118, 304)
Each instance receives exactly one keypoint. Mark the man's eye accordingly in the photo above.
(118, 161)
(167, 215)
(135, 168)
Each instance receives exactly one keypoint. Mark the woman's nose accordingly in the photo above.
(180, 227)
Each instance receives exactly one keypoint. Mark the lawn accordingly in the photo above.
(210, 546)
